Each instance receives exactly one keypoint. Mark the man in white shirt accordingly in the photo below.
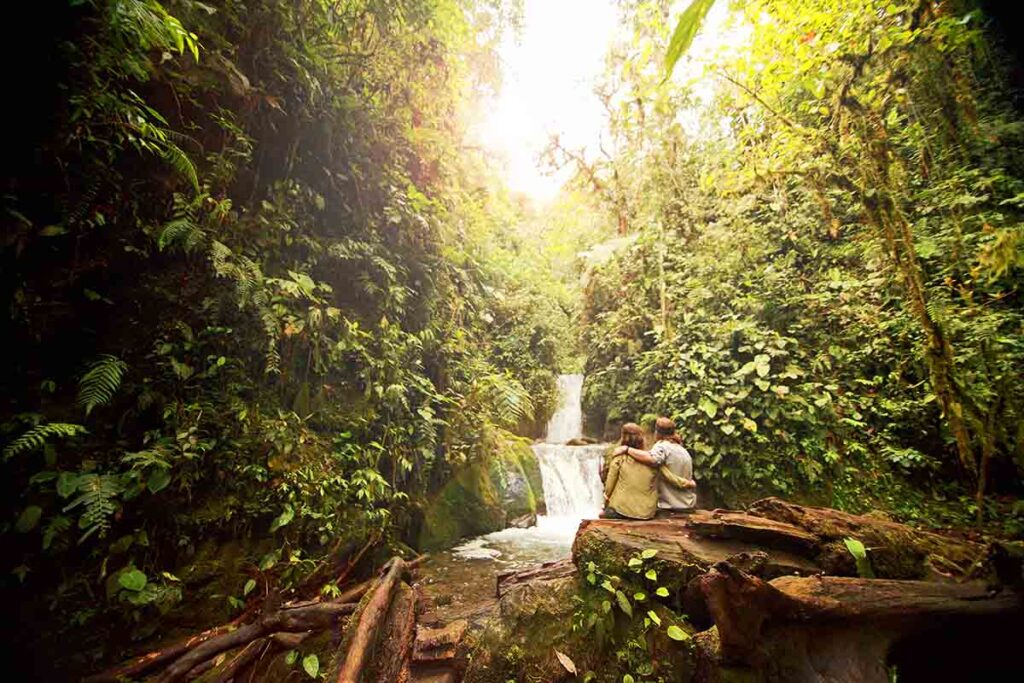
(677, 491)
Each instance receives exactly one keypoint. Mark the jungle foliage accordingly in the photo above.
(820, 269)
(257, 292)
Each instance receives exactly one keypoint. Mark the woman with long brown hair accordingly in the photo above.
(629, 486)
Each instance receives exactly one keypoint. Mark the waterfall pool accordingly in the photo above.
(462, 581)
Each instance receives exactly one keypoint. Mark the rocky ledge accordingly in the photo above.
(780, 592)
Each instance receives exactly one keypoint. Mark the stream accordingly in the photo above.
(462, 579)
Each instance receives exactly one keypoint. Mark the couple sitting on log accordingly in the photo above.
(637, 482)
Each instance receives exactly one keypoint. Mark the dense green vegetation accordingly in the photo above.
(823, 272)
(271, 311)
(258, 289)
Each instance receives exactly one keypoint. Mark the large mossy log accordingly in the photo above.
(897, 551)
(363, 631)
(831, 628)
(688, 546)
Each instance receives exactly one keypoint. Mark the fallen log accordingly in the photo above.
(687, 548)
(307, 618)
(543, 572)
(240, 661)
(136, 667)
(438, 645)
(896, 551)
(831, 628)
(394, 645)
(359, 641)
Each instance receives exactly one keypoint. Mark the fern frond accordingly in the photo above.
(151, 457)
(504, 399)
(99, 383)
(181, 231)
(98, 496)
(180, 162)
(37, 437)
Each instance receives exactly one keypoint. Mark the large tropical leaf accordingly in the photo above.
(686, 30)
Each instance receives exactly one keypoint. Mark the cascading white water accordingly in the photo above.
(572, 489)
(571, 478)
(567, 422)
(570, 474)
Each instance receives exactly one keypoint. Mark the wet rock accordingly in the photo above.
(523, 521)
(484, 494)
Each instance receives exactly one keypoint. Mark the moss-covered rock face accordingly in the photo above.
(483, 495)
(515, 473)
(537, 620)
(519, 642)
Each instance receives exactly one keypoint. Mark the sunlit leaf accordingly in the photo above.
(676, 633)
(569, 665)
(133, 580)
(311, 665)
(686, 30)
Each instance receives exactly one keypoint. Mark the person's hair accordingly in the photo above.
(632, 435)
(665, 429)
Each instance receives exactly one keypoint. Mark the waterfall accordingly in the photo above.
(572, 491)
(567, 422)
(571, 478)
(570, 474)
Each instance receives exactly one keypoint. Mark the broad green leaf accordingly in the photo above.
(686, 30)
(67, 483)
(624, 603)
(132, 580)
(860, 557)
(651, 575)
(635, 562)
(649, 553)
(28, 519)
(283, 519)
(662, 592)
(268, 561)
(654, 617)
(709, 407)
(250, 585)
(311, 665)
(639, 596)
(291, 657)
(158, 480)
(676, 633)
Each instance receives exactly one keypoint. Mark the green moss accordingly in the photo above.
(481, 496)
(515, 473)
(536, 619)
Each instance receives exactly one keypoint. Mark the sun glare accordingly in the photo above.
(548, 76)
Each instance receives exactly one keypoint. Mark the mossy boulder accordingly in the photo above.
(547, 616)
(481, 496)
(515, 474)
